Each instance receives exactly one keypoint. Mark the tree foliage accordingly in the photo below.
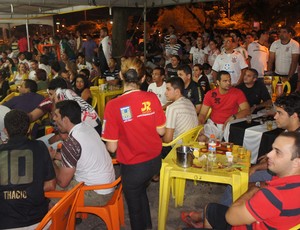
(183, 18)
(192, 17)
(86, 27)
(269, 13)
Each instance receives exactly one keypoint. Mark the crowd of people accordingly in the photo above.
(208, 78)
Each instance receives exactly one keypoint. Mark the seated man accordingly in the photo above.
(26, 173)
(191, 90)
(111, 75)
(287, 117)
(158, 86)
(226, 103)
(274, 206)
(82, 63)
(28, 99)
(200, 78)
(46, 105)
(34, 65)
(255, 91)
(83, 154)
(181, 115)
(57, 92)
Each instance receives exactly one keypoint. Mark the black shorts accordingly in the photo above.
(215, 215)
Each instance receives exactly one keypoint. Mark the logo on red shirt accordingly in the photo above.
(146, 107)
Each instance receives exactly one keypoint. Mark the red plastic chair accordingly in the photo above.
(60, 215)
(112, 213)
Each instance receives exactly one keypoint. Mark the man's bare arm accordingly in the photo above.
(168, 137)
(238, 214)
(49, 185)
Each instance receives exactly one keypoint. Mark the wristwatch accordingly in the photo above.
(257, 184)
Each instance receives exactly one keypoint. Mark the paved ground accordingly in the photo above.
(196, 196)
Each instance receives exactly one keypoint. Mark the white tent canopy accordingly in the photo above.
(16, 12)
(26, 9)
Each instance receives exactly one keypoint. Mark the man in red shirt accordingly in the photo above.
(226, 103)
(22, 44)
(274, 206)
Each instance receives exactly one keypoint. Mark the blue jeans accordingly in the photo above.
(261, 175)
(135, 179)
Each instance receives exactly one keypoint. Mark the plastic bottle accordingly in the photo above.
(279, 88)
(212, 150)
(212, 144)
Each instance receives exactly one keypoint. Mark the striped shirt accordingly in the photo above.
(181, 116)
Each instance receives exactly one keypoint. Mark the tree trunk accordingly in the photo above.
(120, 21)
(120, 17)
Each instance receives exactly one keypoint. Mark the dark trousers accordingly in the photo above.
(135, 179)
(293, 81)
(215, 215)
(165, 151)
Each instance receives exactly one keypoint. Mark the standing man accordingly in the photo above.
(236, 35)
(181, 115)
(231, 61)
(83, 154)
(88, 48)
(259, 53)
(285, 54)
(65, 48)
(158, 86)
(248, 40)
(22, 43)
(105, 49)
(79, 42)
(26, 173)
(171, 31)
(172, 48)
(255, 91)
(191, 91)
(226, 103)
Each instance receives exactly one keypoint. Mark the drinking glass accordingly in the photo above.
(249, 119)
(269, 125)
(241, 152)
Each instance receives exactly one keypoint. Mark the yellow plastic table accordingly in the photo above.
(173, 177)
(101, 97)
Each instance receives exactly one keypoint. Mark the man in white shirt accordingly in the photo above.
(285, 54)
(22, 59)
(236, 35)
(259, 53)
(105, 49)
(231, 61)
(33, 67)
(158, 86)
(83, 155)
